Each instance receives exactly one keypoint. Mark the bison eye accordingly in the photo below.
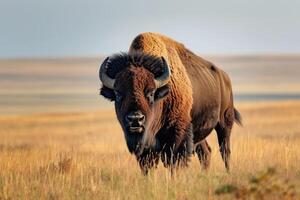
(119, 96)
(150, 96)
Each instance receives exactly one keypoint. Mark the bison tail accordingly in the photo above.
(238, 117)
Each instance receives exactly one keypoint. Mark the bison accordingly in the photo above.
(168, 100)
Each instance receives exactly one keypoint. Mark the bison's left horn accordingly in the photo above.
(164, 78)
(105, 79)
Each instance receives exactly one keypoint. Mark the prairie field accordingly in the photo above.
(60, 140)
(83, 156)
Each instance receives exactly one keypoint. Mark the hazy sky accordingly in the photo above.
(31, 28)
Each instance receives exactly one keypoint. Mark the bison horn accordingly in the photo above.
(164, 78)
(105, 79)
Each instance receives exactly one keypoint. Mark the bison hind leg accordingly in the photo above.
(224, 143)
(223, 130)
(203, 151)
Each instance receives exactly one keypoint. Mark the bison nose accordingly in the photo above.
(135, 118)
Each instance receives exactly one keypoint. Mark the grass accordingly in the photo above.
(83, 156)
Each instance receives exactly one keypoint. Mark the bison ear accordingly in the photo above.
(161, 92)
(108, 93)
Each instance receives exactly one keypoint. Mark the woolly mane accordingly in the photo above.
(120, 61)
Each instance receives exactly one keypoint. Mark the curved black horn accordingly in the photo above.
(105, 79)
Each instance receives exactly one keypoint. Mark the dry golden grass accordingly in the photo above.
(83, 156)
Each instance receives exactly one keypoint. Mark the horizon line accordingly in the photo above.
(93, 56)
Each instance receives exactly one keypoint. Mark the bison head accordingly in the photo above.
(137, 83)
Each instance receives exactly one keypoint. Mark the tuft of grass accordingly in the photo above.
(226, 189)
(267, 184)
(65, 165)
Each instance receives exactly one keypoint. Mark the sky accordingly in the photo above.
(58, 28)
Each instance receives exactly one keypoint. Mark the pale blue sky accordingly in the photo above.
(50, 28)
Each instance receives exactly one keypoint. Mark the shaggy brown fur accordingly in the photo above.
(199, 100)
(211, 96)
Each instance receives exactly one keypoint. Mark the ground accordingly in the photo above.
(83, 156)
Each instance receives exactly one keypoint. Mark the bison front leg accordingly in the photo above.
(173, 160)
(177, 154)
(147, 162)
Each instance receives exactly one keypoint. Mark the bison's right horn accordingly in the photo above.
(164, 78)
(105, 79)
